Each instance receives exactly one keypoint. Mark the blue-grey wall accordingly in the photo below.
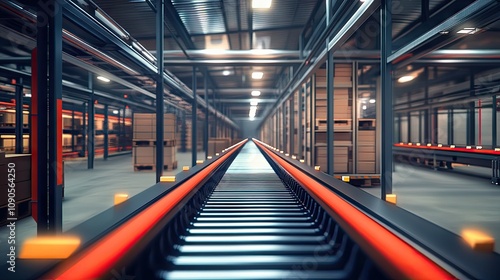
(249, 128)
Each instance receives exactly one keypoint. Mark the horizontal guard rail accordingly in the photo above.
(397, 257)
(101, 252)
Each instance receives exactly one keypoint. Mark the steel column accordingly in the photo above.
(330, 112)
(55, 115)
(106, 132)
(399, 136)
(91, 134)
(84, 129)
(205, 128)
(387, 101)
(471, 113)
(292, 125)
(19, 116)
(183, 132)
(408, 130)
(160, 33)
(494, 121)
(300, 136)
(72, 130)
(194, 120)
(450, 127)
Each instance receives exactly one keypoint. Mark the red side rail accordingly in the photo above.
(449, 149)
(396, 257)
(99, 258)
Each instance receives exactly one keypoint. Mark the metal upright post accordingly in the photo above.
(183, 132)
(494, 121)
(330, 113)
(19, 116)
(84, 128)
(194, 142)
(160, 32)
(40, 151)
(91, 133)
(205, 128)
(106, 132)
(291, 111)
(451, 139)
(72, 130)
(55, 117)
(300, 132)
(387, 102)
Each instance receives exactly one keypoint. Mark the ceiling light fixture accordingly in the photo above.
(226, 72)
(405, 79)
(468, 30)
(115, 112)
(261, 4)
(364, 107)
(104, 79)
(372, 101)
(255, 93)
(257, 75)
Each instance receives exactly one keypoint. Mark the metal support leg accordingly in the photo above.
(73, 130)
(494, 121)
(194, 120)
(330, 114)
(387, 101)
(91, 136)
(160, 32)
(55, 117)
(205, 128)
(19, 116)
(106, 132)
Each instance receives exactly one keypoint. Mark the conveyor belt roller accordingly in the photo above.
(252, 226)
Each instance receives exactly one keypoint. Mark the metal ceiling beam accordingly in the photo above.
(233, 54)
(418, 37)
(232, 62)
(246, 100)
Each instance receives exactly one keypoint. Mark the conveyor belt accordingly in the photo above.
(258, 215)
(252, 226)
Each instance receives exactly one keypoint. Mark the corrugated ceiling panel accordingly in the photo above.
(200, 17)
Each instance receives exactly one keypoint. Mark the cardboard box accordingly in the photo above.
(366, 167)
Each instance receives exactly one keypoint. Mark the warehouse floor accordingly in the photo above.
(452, 200)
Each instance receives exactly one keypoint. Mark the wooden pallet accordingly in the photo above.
(142, 167)
(22, 210)
(151, 142)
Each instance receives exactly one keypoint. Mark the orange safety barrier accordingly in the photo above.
(100, 257)
(396, 257)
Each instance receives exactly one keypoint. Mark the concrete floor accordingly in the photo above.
(455, 200)
(452, 200)
(89, 192)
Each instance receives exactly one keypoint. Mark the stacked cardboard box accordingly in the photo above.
(21, 164)
(145, 126)
(341, 158)
(216, 145)
(144, 142)
(366, 150)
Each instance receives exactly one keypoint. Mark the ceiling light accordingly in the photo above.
(468, 30)
(226, 72)
(252, 118)
(255, 93)
(405, 79)
(27, 95)
(115, 112)
(364, 107)
(261, 4)
(372, 101)
(254, 102)
(257, 75)
(104, 79)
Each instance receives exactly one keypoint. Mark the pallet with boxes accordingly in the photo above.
(144, 142)
(342, 122)
(20, 165)
(216, 145)
(366, 146)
